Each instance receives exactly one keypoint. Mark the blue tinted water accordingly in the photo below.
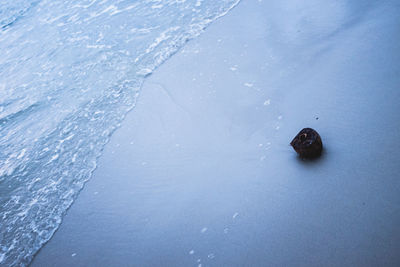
(69, 73)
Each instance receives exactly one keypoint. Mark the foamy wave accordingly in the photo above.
(70, 73)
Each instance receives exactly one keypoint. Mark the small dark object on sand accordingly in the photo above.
(307, 143)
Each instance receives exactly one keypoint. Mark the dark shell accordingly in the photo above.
(307, 143)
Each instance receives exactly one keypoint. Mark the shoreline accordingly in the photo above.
(201, 172)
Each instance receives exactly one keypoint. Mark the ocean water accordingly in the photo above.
(69, 73)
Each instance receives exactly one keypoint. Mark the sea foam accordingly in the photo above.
(69, 73)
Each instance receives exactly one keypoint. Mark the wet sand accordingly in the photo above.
(201, 171)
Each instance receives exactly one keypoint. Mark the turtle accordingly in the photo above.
(307, 143)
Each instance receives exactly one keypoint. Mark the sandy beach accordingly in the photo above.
(201, 172)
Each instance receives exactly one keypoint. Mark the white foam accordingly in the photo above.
(22, 153)
(54, 157)
(78, 98)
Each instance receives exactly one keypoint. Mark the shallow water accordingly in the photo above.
(70, 71)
